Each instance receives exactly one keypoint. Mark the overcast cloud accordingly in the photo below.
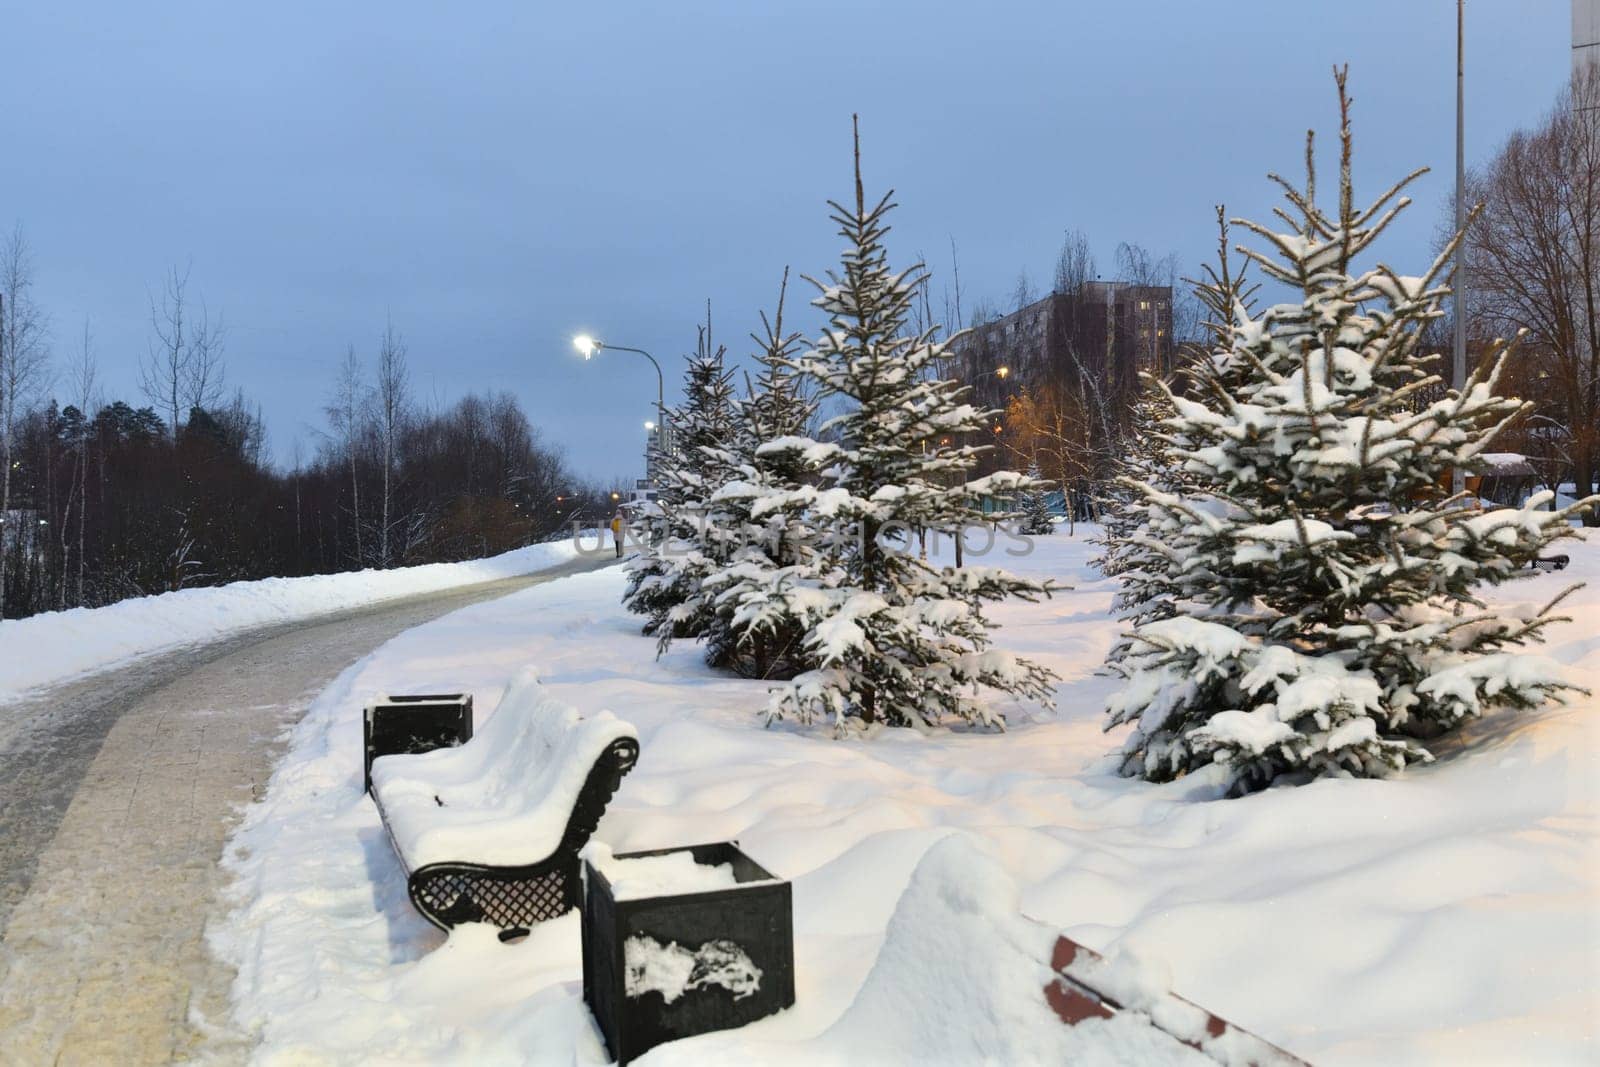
(498, 176)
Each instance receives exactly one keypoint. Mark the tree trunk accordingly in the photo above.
(5, 495)
(383, 531)
(66, 538)
(83, 509)
(1583, 480)
(355, 504)
(6, 406)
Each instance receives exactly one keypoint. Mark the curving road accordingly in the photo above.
(117, 793)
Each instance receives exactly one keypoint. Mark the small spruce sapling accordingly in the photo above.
(1035, 516)
(683, 542)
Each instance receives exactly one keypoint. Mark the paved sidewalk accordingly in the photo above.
(102, 958)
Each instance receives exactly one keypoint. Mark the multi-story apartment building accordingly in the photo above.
(1585, 35)
(1104, 331)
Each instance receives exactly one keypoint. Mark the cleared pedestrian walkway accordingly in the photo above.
(102, 954)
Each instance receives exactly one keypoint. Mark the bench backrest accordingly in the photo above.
(506, 797)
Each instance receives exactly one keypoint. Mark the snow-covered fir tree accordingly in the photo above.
(1035, 517)
(681, 543)
(1144, 459)
(895, 639)
(1142, 562)
(1326, 620)
(754, 628)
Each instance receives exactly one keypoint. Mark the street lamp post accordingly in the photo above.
(588, 346)
(1458, 481)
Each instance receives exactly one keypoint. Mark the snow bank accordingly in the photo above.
(960, 979)
(1443, 916)
(49, 648)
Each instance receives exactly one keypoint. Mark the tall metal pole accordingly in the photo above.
(661, 407)
(1458, 479)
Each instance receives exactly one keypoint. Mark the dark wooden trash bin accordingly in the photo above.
(422, 723)
(733, 948)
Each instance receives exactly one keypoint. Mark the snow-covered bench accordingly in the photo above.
(490, 831)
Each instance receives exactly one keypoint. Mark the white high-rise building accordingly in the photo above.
(1585, 34)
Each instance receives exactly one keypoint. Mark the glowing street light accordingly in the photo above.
(650, 426)
(1001, 372)
(589, 347)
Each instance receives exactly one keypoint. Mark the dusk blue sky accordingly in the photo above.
(499, 176)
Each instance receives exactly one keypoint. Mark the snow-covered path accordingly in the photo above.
(116, 794)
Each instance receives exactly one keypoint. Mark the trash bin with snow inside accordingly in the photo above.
(682, 941)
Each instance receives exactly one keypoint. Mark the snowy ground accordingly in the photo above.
(49, 648)
(1449, 916)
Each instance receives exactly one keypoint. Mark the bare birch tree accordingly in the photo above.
(953, 321)
(203, 379)
(23, 358)
(84, 375)
(391, 400)
(183, 367)
(346, 412)
(1074, 263)
(1023, 293)
(1534, 262)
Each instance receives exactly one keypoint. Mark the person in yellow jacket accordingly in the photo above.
(616, 531)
